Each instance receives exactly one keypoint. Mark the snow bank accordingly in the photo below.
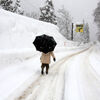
(18, 31)
(17, 34)
(95, 59)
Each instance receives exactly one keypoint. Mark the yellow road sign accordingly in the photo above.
(79, 28)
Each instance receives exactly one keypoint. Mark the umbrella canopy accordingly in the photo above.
(44, 43)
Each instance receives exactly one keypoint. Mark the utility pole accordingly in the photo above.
(83, 25)
(72, 31)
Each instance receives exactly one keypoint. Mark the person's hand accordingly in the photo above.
(54, 59)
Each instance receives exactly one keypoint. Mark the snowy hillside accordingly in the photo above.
(18, 31)
(17, 34)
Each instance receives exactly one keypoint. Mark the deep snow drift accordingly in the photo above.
(17, 31)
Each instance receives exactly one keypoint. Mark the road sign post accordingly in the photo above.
(72, 31)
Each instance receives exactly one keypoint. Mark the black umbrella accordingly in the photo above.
(44, 43)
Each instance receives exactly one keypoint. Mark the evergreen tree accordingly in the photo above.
(33, 14)
(64, 22)
(47, 13)
(97, 19)
(17, 8)
(82, 36)
(6, 4)
(86, 33)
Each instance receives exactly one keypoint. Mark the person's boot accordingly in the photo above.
(42, 72)
(46, 72)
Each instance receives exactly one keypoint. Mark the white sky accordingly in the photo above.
(78, 9)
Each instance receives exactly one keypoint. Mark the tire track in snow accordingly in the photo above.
(73, 81)
(48, 87)
(91, 81)
(82, 82)
(42, 83)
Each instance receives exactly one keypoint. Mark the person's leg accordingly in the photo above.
(42, 68)
(47, 68)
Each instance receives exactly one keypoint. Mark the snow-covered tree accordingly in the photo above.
(17, 8)
(97, 19)
(64, 22)
(33, 14)
(6, 4)
(47, 13)
(86, 33)
(82, 36)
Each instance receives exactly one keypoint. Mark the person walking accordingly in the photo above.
(45, 60)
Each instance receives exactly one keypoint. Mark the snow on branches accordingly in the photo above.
(47, 13)
(97, 19)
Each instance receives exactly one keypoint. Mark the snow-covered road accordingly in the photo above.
(71, 78)
(82, 82)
